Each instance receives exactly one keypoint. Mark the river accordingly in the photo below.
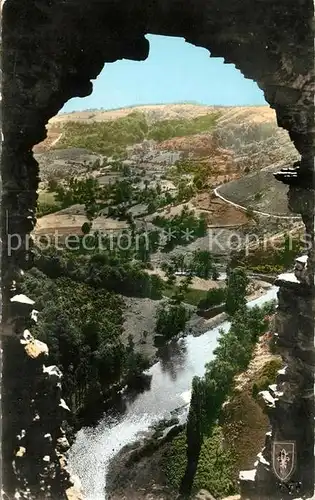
(94, 447)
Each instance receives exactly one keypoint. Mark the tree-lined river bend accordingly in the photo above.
(94, 447)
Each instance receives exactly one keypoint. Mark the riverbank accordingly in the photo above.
(140, 317)
(137, 471)
(96, 447)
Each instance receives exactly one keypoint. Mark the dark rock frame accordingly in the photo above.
(51, 49)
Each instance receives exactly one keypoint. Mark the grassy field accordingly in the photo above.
(46, 203)
(44, 197)
(193, 296)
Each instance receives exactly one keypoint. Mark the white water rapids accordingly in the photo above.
(170, 389)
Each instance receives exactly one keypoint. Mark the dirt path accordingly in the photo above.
(56, 140)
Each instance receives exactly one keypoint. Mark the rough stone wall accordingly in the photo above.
(34, 413)
(51, 51)
(290, 402)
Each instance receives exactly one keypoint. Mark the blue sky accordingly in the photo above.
(175, 71)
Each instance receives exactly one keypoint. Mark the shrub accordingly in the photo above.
(215, 466)
(174, 460)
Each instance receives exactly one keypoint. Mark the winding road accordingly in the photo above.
(56, 140)
(288, 217)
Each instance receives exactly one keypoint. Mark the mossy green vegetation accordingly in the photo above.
(215, 466)
(174, 460)
(266, 376)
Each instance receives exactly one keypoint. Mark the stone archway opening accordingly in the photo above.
(51, 53)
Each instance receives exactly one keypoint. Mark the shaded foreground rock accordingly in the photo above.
(35, 430)
(51, 52)
(290, 402)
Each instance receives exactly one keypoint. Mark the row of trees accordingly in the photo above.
(110, 270)
(181, 229)
(118, 197)
(232, 356)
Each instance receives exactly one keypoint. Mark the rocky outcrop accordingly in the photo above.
(290, 402)
(51, 51)
(35, 442)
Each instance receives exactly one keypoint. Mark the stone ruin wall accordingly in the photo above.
(51, 51)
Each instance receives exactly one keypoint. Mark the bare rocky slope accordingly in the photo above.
(258, 190)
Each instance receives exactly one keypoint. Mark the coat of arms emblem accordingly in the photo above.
(284, 459)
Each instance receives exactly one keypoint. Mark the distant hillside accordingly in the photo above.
(239, 147)
(153, 113)
(240, 129)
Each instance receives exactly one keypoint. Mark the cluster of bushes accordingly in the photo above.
(82, 326)
(270, 260)
(181, 229)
